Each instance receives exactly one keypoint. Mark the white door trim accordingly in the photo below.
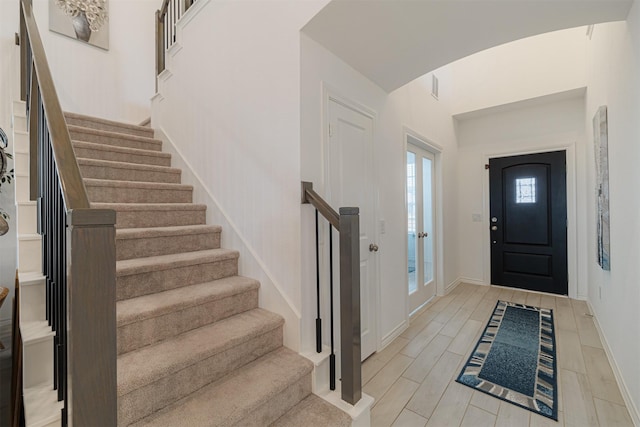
(330, 94)
(572, 225)
(425, 143)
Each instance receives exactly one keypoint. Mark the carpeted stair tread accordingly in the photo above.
(107, 190)
(194, 348)
(105, 124)
(152, 241)
(166, 262)
(137, 233)
(142, 215)
(158, 304)
(120, 154)
(108, 169)
(98, 136)
(135, 184)
(316, 412)
(146, 365)
(247, 397)
(137, 207)
(156, 317)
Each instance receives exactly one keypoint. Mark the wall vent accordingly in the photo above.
(434, 86)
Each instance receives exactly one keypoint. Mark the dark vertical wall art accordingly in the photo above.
(601, 144)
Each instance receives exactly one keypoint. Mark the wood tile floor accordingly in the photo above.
(413, 379)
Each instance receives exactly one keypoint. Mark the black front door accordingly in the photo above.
(529, 222)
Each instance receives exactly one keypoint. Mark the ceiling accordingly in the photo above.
(392, 42)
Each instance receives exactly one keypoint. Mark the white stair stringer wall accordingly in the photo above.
(41, 405)
(275, 301)
(271, 297)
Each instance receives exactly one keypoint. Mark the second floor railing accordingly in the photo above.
(78, 248)
(347, 223)
(166, 19)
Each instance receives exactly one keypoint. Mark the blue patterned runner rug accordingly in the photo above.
(515, 359)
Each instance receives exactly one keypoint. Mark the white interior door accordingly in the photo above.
(420, 226)
(350, 178)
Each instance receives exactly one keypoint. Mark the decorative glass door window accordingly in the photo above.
(525, 190)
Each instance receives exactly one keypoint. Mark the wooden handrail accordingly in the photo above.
(78, 248)
(74, 192)
(347, 223)
(163, 9)
(310, 196)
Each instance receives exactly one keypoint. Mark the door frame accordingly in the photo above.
(572, 238)
(331, 94)
(435, 149)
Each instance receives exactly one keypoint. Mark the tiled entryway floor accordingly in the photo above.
(413, 379)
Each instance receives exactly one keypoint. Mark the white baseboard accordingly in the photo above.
(360, 412)
(473, 281)
(395, 333)
(631, 406)
(451, 286)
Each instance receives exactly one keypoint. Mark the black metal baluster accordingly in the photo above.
(318, 318)
(176, 17)
(57, 273)
(62, 279)
(332, 356)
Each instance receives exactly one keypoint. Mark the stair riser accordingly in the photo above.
(140, 334)
(122, 174)
(38, 363)
(147, 133)
(115, 141)
(91, 153)
(138, 195)
(136, 219)
(153, 397)
(136, 285)
(152, 246)
(277, 406)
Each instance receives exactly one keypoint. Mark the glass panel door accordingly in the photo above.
(411, 221)
(427, 218)
(420, 226)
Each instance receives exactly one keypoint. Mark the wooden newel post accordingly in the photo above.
(91, 318)
(350, 341)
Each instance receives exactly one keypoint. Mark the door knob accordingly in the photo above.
(373, 248)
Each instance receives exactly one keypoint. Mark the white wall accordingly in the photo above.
(116, 84)
(613, 69)
(411, 106)
(527, 68)
(240, 132)
(549, 124)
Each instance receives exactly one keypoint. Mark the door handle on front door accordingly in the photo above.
(373, 247)
(421, 235)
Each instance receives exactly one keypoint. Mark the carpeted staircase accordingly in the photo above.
(194, 349)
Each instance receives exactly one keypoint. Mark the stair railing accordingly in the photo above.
(347, 223)
(166, 19)
(78, 249)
